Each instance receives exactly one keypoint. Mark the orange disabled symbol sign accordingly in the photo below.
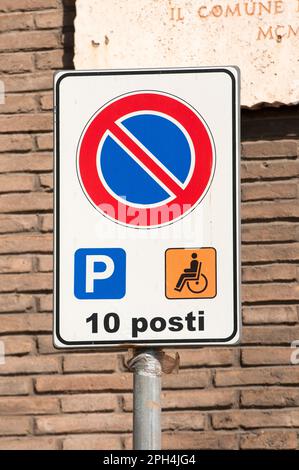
(190, 273)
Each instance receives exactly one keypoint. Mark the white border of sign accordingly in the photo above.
(59, 76)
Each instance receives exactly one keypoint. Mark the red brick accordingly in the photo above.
(199, 399)
(14, 425)
(270, 314)
(265, 356)
(45, 141)
(269, 335)
(270, 232)
(45, 342)
(52, 59)
(49, 19)
(41, 161)
(275, 149)
(30, 40)
(269, 273)
(15, 386)
(16, 62)
(17, 183)
(45, 263)
(270, 210)
(16, 303)
(29, 405)
(183, 421)
(194, 379)
(90, 362)
(205, 357)
(25, 282)
(23, 243)
(13, 104)
(45, 345)
(27, 322)
(17, 223)
(269, 440)
(30, 365)
(250, 419)
(92, 442)
(15, 142)
(26, 122)
(46, 303)
(15, 264)
(37, 81)
(269, 169)
(8, 5)
(47, 223)
(257, 376)
(258, 253)
(270, 397)
(16, 21)
(46, 182)
(270, 292)
(89, 403)
(189, 400)
(18, 345)
(264, 191)
(46, 102)
(83, 383)
(28, 443)
(36, 201)
(83, 423)
(198, 440)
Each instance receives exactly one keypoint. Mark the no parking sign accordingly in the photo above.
(146, 242)
(163, 148)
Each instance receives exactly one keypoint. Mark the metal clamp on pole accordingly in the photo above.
(148, 365)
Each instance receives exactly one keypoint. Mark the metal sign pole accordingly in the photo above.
(148, 365)
(147, 368)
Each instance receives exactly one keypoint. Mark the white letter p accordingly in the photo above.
(92, 275)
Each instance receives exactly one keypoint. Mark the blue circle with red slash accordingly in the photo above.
(146, 159)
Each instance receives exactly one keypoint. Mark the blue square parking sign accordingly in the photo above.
(100, 273)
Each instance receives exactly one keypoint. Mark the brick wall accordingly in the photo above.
(226, 398)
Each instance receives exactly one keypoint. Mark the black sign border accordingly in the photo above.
(235, 203)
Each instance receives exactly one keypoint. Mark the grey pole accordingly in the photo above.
(146, 364)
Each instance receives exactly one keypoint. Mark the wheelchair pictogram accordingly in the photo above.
(190, 273)
(193, 276)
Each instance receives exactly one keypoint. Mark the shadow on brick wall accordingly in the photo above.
(270, 123)
(68, 31)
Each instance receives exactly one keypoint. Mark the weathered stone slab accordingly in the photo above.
(261, 37)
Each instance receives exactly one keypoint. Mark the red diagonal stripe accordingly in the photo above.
(145, 159)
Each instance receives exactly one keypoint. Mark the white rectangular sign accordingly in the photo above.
(147, 207)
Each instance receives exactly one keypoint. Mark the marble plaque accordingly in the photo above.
(261, 37)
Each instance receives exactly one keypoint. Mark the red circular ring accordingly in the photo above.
(187, 197)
